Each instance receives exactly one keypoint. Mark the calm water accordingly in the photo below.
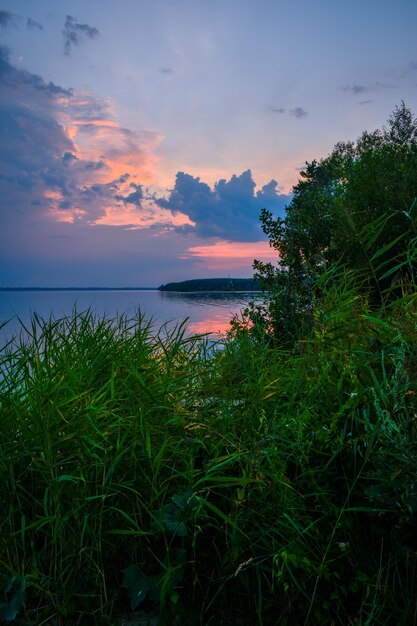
(206, 312)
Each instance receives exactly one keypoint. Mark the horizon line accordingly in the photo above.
(74, 288)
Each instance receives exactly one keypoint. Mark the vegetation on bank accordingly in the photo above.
(270, 481)
(213, 284)
(354, 210)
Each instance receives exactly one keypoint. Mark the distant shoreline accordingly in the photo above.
(207, 285)
(78, 289)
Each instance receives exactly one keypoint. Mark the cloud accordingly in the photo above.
(135, 197)
(369, 87)
(363, 102)
(125, 150)
(74, 33)
(356, 89)
(8, 19)
(229, 211)
(16, 78)
(30, 23)
(298, 112)
(226, 255)
(74, 185)
(87, 108)
(64, 157)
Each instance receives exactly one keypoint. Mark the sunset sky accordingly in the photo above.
(140, 139)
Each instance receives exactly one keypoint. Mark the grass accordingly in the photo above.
(141, 470)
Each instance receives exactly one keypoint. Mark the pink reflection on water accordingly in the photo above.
(216, 326)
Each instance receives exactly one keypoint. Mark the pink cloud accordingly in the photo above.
(105, 160)
(226, 255)
(124, 215)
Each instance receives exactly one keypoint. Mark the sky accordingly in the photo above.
(140, 139)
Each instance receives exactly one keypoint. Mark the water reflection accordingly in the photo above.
(205, 311)
(210, 312)
(216, 327)
(223, 298)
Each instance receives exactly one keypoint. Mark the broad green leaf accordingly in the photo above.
(137, 585)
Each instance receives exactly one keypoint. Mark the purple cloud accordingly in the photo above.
(358, 89)
(74, 33)
(8, 19)
(298, 112)
(42, 172)
(230, 210)
(30, 23)
(135, 197)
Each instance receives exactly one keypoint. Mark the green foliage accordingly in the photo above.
(355, 209)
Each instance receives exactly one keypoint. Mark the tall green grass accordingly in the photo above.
(142, 470)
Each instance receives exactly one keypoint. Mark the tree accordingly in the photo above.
(355, 209)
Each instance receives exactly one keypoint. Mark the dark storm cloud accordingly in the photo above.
(230, 210)
(74, 33)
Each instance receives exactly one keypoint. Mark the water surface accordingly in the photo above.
(205, 312)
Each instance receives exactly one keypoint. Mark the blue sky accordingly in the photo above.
(141, 139)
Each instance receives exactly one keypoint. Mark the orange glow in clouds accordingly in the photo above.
(91, 124)
(232, 255)
(125, 215)
(106, 152)
(125, 152)
(111, 160)
(227, 249)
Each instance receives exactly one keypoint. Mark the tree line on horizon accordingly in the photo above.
(213, 284)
